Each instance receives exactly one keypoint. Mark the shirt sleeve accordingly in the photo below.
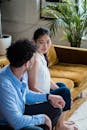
(11, 112)
(33, 97)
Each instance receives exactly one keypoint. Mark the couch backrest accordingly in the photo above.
(71, 54)
(52, 57)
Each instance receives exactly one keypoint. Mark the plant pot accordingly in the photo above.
(5, 42)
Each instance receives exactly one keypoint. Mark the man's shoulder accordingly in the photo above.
(4, 76)
(5, 83)
(3, 72)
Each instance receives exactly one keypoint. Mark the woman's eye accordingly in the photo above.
(41, 42)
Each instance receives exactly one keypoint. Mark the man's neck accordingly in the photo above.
(18, 72)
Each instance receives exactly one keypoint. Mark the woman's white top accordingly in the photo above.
(43, 80)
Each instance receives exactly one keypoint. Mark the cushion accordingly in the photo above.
(68, 82)
(75, 72)
(3, 61)
(52, 57)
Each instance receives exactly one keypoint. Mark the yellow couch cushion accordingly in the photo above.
(3, 61)
(68, 82)
(52, 57)
(75, 72)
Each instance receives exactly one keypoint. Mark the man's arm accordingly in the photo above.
(34, 97)
(10, 109)
(56, 100)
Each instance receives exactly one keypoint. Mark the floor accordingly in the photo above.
(80, 115)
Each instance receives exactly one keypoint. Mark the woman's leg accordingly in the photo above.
(62, 126)
(65, 93)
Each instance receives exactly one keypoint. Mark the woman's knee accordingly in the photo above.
(66, 94)
(60, 84)
(67, 90)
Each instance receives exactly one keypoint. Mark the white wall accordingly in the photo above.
(22, 17)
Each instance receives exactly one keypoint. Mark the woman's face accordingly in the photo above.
(43, 43)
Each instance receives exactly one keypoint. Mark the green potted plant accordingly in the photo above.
(70, 14)
(5, 39)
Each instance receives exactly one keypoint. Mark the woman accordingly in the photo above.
(39, 77)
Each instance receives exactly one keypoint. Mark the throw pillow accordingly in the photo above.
(52, 57)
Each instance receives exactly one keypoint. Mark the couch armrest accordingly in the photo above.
(3, 61)
(71, 54)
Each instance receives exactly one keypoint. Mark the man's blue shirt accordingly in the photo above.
(14, 94)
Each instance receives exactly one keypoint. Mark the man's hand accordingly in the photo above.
(56, 101)
(48, 122)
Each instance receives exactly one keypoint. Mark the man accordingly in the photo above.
(41, 111)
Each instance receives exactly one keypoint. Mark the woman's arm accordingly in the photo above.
(53, 85)
(33, 76)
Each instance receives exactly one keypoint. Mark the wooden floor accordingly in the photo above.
(76, 104)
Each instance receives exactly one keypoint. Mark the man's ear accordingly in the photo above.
(27, 64)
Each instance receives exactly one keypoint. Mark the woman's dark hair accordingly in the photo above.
(40, 32)
(20, 52)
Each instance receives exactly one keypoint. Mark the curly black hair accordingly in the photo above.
(20, 52)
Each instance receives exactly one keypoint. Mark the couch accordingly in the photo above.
(69, 65)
